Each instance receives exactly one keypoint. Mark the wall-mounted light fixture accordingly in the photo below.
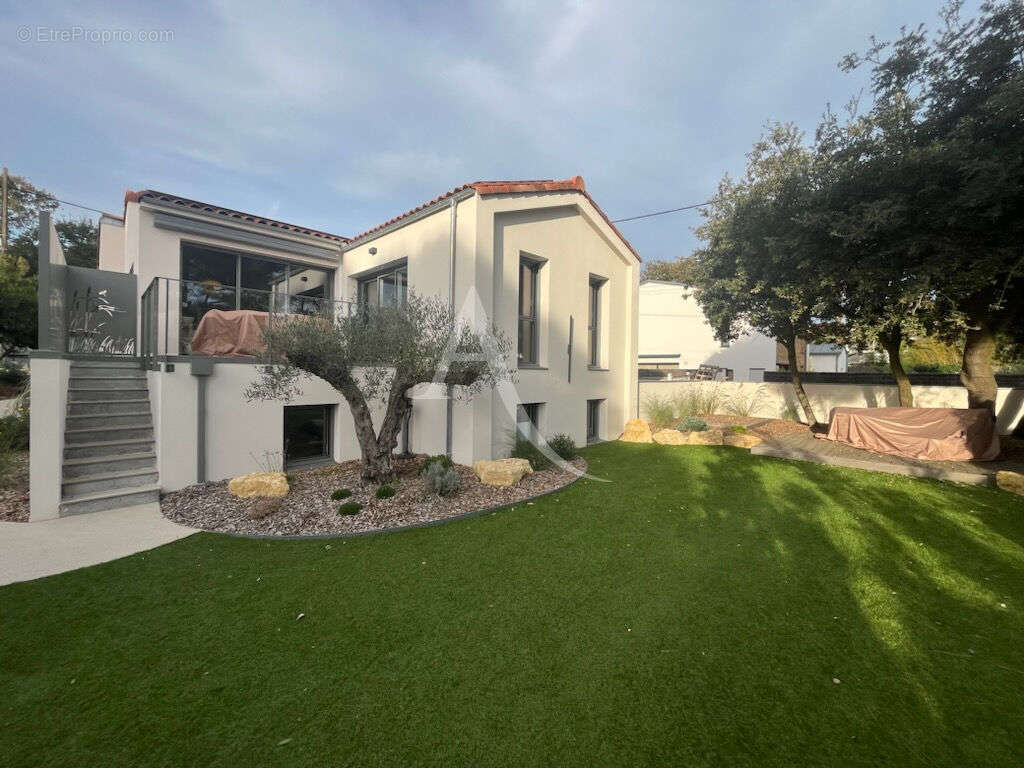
(373, 250)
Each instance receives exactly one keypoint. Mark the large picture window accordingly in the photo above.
(214, 278)
(528, 333)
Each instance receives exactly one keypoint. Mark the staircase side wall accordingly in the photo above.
(49, 382)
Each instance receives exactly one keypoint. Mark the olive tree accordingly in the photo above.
(374, 357)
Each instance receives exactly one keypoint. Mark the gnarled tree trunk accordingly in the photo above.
(978, 374)
(891, 341)
(376, 447)
(798, 385)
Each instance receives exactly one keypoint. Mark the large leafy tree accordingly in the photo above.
(953, 188)
(764, 262)
(681, 270)
(18, 317)
(375, 357)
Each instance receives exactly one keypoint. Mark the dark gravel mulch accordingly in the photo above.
(309, 510)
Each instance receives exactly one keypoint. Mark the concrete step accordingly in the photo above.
(127, 405)
(118, 382)
(83, 394)
(107, 448)
(74, 488)
(119, 497)
(105, 366)
(73, 436)
(131, 419)
(99, 465)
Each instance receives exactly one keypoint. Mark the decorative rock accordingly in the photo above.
(265, 508)
(1010, 481)
(708, 437)
(637, 431)
(670, 437)
(502, 472)
(741, 439)
(259, 484)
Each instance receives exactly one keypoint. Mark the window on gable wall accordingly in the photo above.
(528, 270)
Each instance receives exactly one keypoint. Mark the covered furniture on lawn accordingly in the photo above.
(932, 434)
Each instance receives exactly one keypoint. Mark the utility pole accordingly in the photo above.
(3, 214)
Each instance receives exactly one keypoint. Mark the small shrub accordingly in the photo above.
(699, 399)
(692, 424)
(440, 459)
(441, 480)
(341, 493)
(564, 446)
(350, 508)
(385, 492)
(661, 411)
(736, 429)
(524, 449)
(12, 376)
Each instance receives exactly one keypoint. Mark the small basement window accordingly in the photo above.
(307, 434)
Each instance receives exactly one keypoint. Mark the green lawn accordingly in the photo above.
(693, 611)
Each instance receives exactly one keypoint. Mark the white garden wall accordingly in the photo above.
(770, 399)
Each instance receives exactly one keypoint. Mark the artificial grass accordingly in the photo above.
(693, 611)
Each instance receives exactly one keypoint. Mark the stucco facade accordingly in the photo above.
(674, 332)
(482, 235)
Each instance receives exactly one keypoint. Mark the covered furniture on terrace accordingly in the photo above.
(933, 434)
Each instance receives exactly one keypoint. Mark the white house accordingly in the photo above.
(539, 258)
(674, 333)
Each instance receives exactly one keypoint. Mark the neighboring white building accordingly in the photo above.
(826, 358)
(674, 333)
(539, 259)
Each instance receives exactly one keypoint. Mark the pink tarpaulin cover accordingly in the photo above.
(933, 434)
(233, 333)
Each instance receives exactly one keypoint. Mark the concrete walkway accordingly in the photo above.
(31, 550)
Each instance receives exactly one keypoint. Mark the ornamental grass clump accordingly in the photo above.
(385, 492)
(341, 493)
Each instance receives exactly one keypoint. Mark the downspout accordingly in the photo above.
(451, 307)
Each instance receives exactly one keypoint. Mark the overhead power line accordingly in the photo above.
(662, 213)
(76, 205)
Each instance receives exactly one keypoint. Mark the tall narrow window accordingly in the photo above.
(528, 311)
(593, 420)
(594, 323)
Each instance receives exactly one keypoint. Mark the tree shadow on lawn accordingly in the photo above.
(895, 586)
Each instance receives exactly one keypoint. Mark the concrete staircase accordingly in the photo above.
(109, 454)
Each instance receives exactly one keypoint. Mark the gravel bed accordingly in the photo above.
(309, 510)
(14, 491)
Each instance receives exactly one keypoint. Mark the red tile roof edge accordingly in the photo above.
(199, 207)
(484, 188)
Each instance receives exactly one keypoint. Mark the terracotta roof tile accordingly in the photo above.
(484, 188)
(197, 207)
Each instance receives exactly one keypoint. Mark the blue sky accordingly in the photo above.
(339, 116)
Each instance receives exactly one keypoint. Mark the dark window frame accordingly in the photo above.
(376, 278)
(532, 267)
(327, 453)
(594, 293)
(594, 420)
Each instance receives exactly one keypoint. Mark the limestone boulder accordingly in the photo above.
(502, 472)
(1010, 481)
(637, 431)
(707, 437)
(741, 439)
(259, 484)
(670, 437)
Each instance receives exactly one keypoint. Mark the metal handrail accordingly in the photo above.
(170, 313)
